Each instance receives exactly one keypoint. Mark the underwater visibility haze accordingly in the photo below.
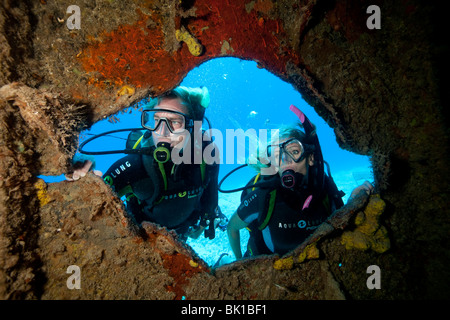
(243, 96)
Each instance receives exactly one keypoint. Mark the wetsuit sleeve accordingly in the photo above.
(123, 172)
(248, 210)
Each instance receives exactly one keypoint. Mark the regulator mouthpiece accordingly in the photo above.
(288, 179)
(162, 152)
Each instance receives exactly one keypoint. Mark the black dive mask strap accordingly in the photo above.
(318, 157)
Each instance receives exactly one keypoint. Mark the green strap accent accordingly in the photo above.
(124, 191)
(137, 142)
(159, 201)
(273, 195)
(131, 195)
(256, 179)
(163, 173)
(202, 170)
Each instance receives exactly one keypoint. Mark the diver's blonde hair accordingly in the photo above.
(195, 99)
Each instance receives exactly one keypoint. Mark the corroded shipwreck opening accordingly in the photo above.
(380, 93)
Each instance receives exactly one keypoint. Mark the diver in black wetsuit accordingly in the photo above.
(289, 225)
(284, 208)
(169, 185)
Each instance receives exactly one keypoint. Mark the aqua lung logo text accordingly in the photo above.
(302, 224)
(115, 172)
(189, 194)
(247, 202)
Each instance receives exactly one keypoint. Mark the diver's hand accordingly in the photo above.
(80, 170)
(366, 186)
(194, 233)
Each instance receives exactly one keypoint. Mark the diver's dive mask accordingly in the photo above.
(290, 150)
(175, 121)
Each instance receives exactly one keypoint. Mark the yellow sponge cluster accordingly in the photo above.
(195, 48)
(369, 233)
(284, 264)
(193, 264)
(310, 252)
(126, 90)
(41, 190)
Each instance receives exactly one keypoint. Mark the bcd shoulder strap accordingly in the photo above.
(269, 203)
(267, 199)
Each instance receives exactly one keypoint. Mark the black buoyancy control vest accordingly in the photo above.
(168, 201)
(331, 198)
(176, 200)
(289, 224)
(294, 220)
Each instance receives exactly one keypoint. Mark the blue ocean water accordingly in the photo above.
(242, 96)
